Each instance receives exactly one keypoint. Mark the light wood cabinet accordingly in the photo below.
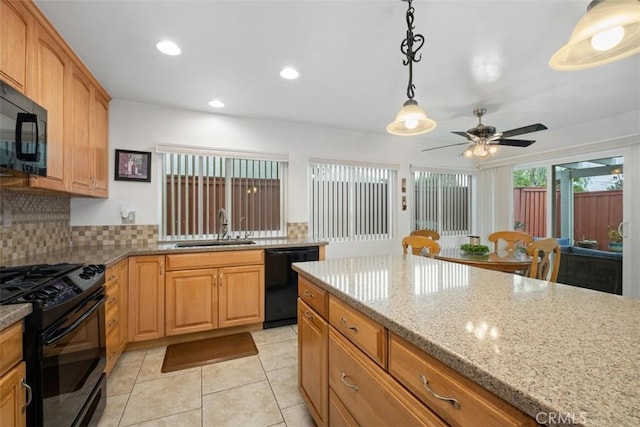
(36, 61)
(241, 292)
(313, 341)
(230, 292)
(370, 396)
(16, 32)
(13, 387)
(146, 297)
(191, 301)
(116, 311)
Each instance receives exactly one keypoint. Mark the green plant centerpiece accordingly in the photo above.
(469, 249)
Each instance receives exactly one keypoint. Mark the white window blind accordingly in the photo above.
(350, 202)
(196, 187)
(442, 202)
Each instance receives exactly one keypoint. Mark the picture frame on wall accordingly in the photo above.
(133, 166)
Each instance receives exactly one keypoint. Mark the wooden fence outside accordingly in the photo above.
(594, 213)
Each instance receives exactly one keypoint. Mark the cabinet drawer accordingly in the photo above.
(366, 334)
(313, 296)
(113, 298)
(475, 405)
(370, 394)
(339, 416)
(112, 319)
(10, 347)
(213, 259)
(111, 275)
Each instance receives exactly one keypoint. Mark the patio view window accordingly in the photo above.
(351, 202)
(197, 186)
(442, 202)
(530, 200)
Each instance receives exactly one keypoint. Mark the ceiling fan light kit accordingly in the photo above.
(609, 31)
(411, 120)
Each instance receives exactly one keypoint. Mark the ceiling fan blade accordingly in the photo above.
(514, 142)
(444, 146)
(525, 129)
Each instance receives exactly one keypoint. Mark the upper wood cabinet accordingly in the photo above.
(16, 25)
(37, 62)
(50, 89)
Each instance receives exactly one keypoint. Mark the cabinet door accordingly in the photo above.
(241, 295)
(146, 297)
(123, 266)
(80, 117)
(12, 397)
(15, 37)
(99, 135)
(52, 74)
(191, 301)
(313, 336)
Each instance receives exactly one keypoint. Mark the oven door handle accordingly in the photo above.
(58, 335)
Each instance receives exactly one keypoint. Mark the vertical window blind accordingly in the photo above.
(196, 188)
(351, 202)
(442, 202)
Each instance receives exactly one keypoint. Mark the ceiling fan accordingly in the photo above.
(485, 140)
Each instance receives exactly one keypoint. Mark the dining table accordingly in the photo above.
(507, 261)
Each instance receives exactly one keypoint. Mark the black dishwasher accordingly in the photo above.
(281, 284)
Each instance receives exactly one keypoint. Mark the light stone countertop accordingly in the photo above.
(544, 347)
(10, 314)
(109, 255)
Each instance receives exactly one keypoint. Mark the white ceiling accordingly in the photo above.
(477, 53)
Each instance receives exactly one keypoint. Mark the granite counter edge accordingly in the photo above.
(13, 313)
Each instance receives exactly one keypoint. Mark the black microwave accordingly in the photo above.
(23, 134)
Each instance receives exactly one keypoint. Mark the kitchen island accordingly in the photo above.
(561, 354)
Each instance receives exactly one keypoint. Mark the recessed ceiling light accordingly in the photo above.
(289, 73)
(168, 48)
(216, 103)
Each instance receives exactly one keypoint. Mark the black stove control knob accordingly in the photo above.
(84, 276)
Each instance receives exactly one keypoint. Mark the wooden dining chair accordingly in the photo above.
(426, 233)
(418, 243)
(545, 257)
(511, 237)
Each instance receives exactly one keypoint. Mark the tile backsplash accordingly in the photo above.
(38, 223)
(32, 224)
(297, 230)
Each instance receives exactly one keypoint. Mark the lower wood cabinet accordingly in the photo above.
(191, 301)
(146, 297)
(116, 318)
(13, 387)
(313, 345)
(241, 295)
(369, 395)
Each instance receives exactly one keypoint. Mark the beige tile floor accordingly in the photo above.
(256, 391)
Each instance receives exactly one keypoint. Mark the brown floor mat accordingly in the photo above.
(207, 351)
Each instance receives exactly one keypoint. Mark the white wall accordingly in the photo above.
(138, 126)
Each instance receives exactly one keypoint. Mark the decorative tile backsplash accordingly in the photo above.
(32, 224)
(297, 230)
(37, 223)
(100, 235)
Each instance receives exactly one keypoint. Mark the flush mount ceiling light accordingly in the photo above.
(289, 73)
(610, 30)
(216, 103)
(411, 120)
(168, 48)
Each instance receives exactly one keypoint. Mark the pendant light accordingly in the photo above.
(610, 30)
(411, 120)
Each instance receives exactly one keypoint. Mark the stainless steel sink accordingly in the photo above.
(210, 243)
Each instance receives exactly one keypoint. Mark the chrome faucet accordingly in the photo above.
(222, 219)
(246, 231)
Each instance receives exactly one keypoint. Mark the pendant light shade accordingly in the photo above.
(411, 120)
(610, 30)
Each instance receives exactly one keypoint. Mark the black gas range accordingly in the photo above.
(64, 339)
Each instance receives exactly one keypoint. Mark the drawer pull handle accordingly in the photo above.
(452, 401)
(308, 315)
(29, 394)
(111, 278)
(344, 323)
(307, 294)
(344, 381)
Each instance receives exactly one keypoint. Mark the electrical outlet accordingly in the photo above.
(7, 218)
(129, 219)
